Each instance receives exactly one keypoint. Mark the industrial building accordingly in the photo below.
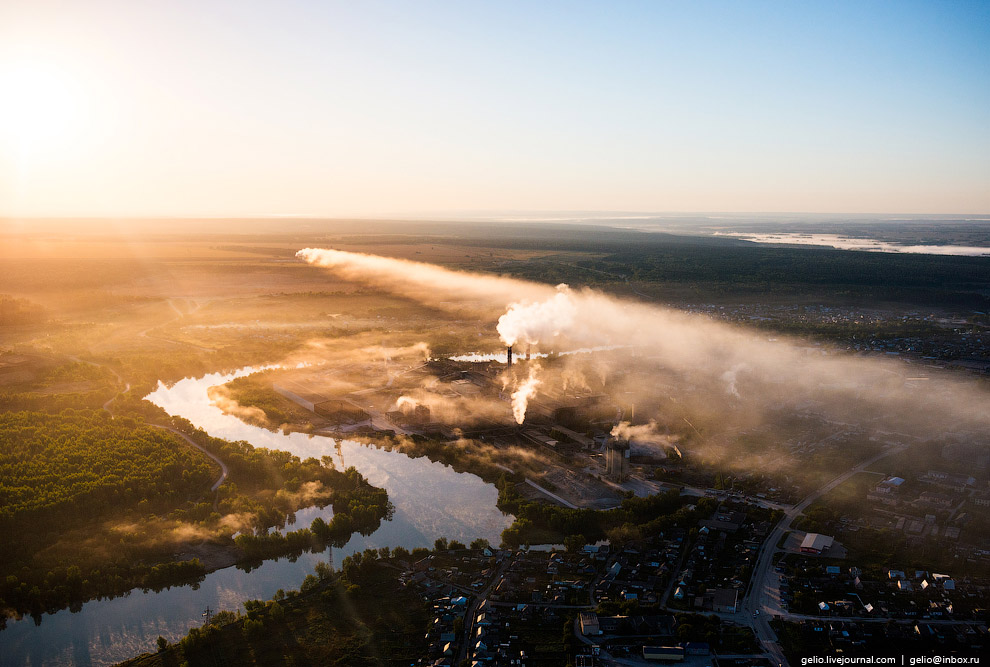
(617, 459)
(589, 623)
(664, 653)
(298, 394)
(813, 543)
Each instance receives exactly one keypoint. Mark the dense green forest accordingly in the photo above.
(81, 465)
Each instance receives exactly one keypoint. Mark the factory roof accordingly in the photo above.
(816, 542)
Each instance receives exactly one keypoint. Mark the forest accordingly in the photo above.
(95, 502)
(58, 470)
(733, 270)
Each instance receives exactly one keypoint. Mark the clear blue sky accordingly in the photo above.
(368, 108)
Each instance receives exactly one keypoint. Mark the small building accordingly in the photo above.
(697, 648)
(887, 491)
(934, 499)
(589, 623)
(664, 653)
(725, 600)
(814, 543)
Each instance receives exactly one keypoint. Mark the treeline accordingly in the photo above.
(725, 268)
(33, 592)
(16, 311)
(56, 470)
(92, 386)
(61, 477)
(256, 391)
(358, 510)
(360, 616)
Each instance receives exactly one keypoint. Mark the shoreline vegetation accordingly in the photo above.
(359, 615)
(126, 505)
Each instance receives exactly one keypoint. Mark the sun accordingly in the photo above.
(40, 113)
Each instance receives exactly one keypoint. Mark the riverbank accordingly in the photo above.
(431, 501)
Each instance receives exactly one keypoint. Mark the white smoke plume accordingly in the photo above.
(451, 408)
(533, 323)
(429, 284)
(644, 438)
(697, 348)
(521, 396)
(220, 397)
(403, 401)
(626, 431)
(730, 378)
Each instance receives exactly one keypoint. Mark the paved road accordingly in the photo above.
(472, 610)
(190, 441)
(763, 595)
(549, 494)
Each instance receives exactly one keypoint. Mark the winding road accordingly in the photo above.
(127, 387)
(763, 597)
(192, 443)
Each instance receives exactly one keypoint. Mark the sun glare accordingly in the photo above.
(41, 112)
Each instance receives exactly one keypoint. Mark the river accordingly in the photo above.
(431, 500)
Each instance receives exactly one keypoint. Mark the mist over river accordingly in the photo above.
(431, 500)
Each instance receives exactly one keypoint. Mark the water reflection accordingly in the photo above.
(849, 243)
(431, 501)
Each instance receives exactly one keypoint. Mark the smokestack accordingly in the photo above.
(528, 350)
(508, 356)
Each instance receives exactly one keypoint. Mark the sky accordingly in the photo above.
(250, 108)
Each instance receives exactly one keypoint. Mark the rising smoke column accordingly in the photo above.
(540, 321)
(521, 396)
(403, 401)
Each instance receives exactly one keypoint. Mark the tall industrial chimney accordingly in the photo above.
(508, 356)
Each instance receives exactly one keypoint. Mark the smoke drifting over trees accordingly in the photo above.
(724, 367)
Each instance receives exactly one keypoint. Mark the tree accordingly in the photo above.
(574, 543)
(162, 643)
